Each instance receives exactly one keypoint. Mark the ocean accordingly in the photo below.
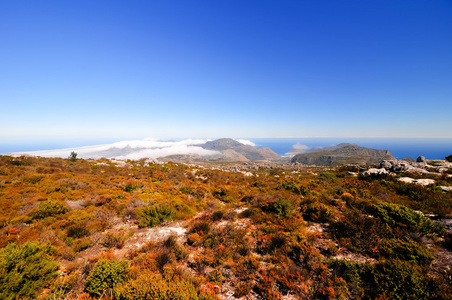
(431, 148)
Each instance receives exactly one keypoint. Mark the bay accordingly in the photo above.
(431, 148)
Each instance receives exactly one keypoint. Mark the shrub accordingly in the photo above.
(405, 250)
(216, 276)
(449, 158)
(393, 214)
(293, 186)
(398, 280)
(81, 244)
(25, 270)
(105, 275)
(76, 231)
(281, 207)
(358, 232)
(275, 242)
(217, 215)
(131, 186)
(327, 176)
(163, 258)
(73, 156)
(154, 286)
(114, 240)
(186, 190)
(150, 216)
(391, 279)
(265, 286)
(201, 227)
(48, 208)
(317, 212)
(64, 285)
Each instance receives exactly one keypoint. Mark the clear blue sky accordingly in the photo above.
(190, 69)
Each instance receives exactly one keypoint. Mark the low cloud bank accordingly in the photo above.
(297, 149)
(135, 149)
(300, 147)
(246, 142)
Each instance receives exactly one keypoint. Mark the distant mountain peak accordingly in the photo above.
(342, 154)
(232, 148)
(222, 144)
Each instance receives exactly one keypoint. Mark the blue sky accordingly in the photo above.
(206, 69)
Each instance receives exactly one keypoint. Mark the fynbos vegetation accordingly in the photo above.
(92, 229)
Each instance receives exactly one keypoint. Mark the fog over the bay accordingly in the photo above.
(135, 149)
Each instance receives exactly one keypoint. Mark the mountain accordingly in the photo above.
(222, 149)
(299, 149)
(234, 150)
(342, 154)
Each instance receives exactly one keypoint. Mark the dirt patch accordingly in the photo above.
(142, 236)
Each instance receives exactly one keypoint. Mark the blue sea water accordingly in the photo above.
(431, 148)
(13, 146)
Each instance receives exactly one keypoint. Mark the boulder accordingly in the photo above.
(420, 159)
(375, 172)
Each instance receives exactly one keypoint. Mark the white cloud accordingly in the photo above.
(135, 149)
(299, 146)
(246, 142)
(172, 150)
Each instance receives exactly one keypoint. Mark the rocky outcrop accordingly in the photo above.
(401, 166)
(421, 159)
(421, 165)
(344, 154)
(375, 172)
(423, 182)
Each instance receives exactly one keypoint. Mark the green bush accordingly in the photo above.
(293, 186)
(449, 158)
(392, 279)
(76, 231)
(73, 156)
(393, 214)
(281, 207)
(406, 250)
(327, 176)
(105, 275)
(130, 187)
(48, 208)
(150, 216)
(25, 270)
(398, 280)
(186, 190)
(317, 212)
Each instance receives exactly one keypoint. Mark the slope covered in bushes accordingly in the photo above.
(95, 229)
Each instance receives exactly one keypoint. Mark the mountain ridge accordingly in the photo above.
(232, 148)
(343, 154)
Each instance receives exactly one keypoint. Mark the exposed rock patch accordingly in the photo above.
(423, 182)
